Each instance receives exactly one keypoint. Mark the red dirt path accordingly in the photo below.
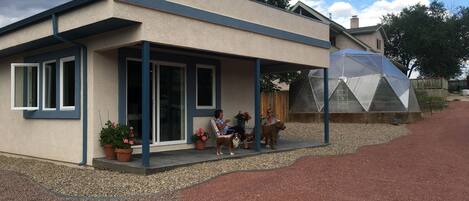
(431, 163)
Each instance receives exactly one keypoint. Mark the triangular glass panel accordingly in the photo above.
(343, 100)
(364, 88)
(301, 97)
(385, 99)
(413, 102)
(317, 84)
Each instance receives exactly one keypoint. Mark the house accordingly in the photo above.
(161, 66)
(371, 38)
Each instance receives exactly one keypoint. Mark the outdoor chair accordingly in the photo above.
(222, 139)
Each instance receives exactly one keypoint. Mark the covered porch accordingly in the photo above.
(160, 147)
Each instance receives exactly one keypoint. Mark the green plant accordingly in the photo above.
(107, 134)
(124, 136)
(201, 135)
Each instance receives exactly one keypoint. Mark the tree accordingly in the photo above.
(277, 3)
(429, 39)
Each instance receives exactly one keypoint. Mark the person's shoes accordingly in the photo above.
(232, 153)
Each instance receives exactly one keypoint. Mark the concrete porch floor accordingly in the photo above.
(163, 161)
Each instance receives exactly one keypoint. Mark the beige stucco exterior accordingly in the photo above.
(344, 42)
(371, 40)
(61, 140)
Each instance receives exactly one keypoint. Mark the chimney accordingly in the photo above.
(354, 22)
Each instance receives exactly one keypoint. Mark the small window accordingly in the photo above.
(24, 86)
(378, 44)
(205, 79)
(49, 88)
(67, 83)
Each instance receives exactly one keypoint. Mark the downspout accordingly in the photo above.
(84, 55)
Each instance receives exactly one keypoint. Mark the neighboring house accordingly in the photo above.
(359, 38)
(162, 66)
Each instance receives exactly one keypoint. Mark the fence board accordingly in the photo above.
(277, 101)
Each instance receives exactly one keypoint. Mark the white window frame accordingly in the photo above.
(62, 61)
(13, 77)
(44, 108)
(214, 85)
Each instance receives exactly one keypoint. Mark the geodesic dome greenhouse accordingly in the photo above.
(359, 81)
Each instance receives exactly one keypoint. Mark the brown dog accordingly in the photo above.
(270, 133)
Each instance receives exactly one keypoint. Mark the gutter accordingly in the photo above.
(84, 55)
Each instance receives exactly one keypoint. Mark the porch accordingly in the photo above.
(166, 112)
(168, 160)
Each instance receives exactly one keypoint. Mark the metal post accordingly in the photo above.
(146, 104)
(326, 106)
(257, 104)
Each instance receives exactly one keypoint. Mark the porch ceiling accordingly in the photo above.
(82, 32)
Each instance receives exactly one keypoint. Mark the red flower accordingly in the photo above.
(126, 141)
(204, 138)
(131, 142)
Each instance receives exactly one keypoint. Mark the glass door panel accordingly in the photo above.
(171, 103)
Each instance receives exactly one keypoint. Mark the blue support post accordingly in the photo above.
(146, 104)
(326, 106)
(257, 104)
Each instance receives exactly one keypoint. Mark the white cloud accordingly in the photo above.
(369, 15)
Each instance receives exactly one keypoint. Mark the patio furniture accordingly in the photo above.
(222, 139)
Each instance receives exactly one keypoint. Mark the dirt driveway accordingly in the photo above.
(432, 163)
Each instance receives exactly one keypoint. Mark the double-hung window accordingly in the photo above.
(206, 87)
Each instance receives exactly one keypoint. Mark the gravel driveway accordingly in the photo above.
(70, 181)
(430, 164)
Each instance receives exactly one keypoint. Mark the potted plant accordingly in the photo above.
(106, 138)
(242, 118)
(123, 142)
(200, 137)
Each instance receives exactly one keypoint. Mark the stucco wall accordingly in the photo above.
(343, 42)
(370, 40)
(59, 140)
(185, 32)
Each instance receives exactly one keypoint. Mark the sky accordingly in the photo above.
(369, 11)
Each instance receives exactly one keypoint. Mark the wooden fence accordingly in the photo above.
(430, 83)
(277, 101)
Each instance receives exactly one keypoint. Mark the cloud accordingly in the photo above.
(14, 10)
(341, 11)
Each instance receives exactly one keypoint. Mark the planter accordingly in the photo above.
(199, 145)
(109, 152)
(124, 155)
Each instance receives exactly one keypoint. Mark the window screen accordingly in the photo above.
(205, 87)
(24, 86)
(68, 84)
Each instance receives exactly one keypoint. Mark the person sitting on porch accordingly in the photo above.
(223, 126)
(270, 118)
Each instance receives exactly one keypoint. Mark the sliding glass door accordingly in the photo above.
(171, 103)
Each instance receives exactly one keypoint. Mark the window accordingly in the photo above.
(67, 83)
(24, 86)
(49, 85)
(205, 89)
(378, 44)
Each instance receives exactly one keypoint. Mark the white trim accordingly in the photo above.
(13, 83)
(62, 61)
(214, 85)
(44, 85)
(157, 133)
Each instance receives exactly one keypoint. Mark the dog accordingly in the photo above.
(231, 141)
(270, 133)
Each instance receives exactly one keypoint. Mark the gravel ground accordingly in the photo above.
(345, 138)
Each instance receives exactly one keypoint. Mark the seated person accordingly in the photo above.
(223, 126)
(270, 118)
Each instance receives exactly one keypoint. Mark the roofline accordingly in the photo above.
(342, 29)
(44, 15)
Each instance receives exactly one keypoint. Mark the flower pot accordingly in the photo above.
(124, 155)
(199, 145)
(109, 152)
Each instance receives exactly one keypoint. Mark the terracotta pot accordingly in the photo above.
(199, 145)
(109, 152)
(124, 155)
